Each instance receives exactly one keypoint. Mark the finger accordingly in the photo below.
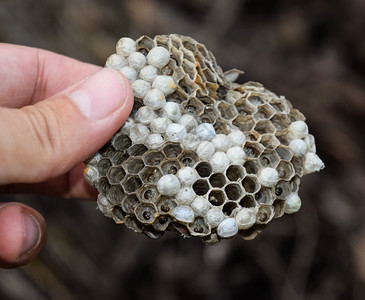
(45, 140)
(28, 75)
(22, 234)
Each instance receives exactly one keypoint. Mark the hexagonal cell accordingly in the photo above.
(269, 141)
(244, 107)
(298, 164)
(294, 183)
(248, 201)
(115, 194)
(286, 170)
(131, 183)
(282, 189)
(165, 204)
(132, 223)
(216, 197)
(233, 191)
(153, 158)
(227, 110)
(201, 187)
(188, 158)
(253, 149)
(134, 165)
(221, 126)
(129, 203)
(235, 172)
(103, 185)
(278, 208)
(264, 214)
(103, 166)
(170, 166)
(264, 112)
(250, 184)
(280, 105)
(106, 150)
(118, 214)
(204, 169)
(137, 150)
(193, 106)
(256, 99)
(296, 115)
(209, 115)
(280, 121)
(148, 193)
(150, 174)
(269, 158)
(172, 150)
(252, 166)
(162, 222)
(229, 207)
(284, 153)
(264, 196)
(283, 137)
(253, 136)
(116, 174)
(199, 227)
(121, 141)
(217, 180)
(244, 123)
(146, 213)
(265, 126)
(118, 157)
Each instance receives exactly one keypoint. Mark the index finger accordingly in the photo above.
(28, 75)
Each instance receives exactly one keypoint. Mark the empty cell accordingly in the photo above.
(265, 126)
(264, 112)
(279, 208)
(121, 142)
(193, 106)
(280, 122)
(153, 158)
(150, 174)
(103, 166)
(244, 107)
(229, 207)
(217, 180)
(103, 185)
(252, 166)
(250, 184)
(216, 197)
(253, 149)
(116, 174)
(269, 158)
(227, 110)
(170, 166)
(201, 187)
(119, 157)
(264, 196)
(286, 170)
(233, 191)
(256, 99)
(129, 203)
(248, 201)
(269, 141)
(280, 105)
(204, 169)
(235, 172)
(131, 183)
(244, 123)
(298, 164)
(209, 115)
(284, 153)
(134, 165)
(115, 194)
(172, 150)
(188, 159)
(137, 150)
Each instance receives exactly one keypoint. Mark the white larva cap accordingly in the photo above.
(191, 142)
(154, 141)
(292, 203)
(172, 111)
(268, 177)
(205, 150)
(183, 213)
(159, 125)
(298, 129)
(236, 155)
(187, 175)
(227, 228)
(298, 146)
(137, 60)
(116, 61)
(219, 161)
(145, 115)
(200, 205)
(165, 84)
(148, 73)
(237, 138)
(158, 57)
(129, 72)
(214, 216)
(189, 121)
(312, 163)
(126, 46)
(175, 132)
(185, 195)
(205, 132)
(154, 99)
(140, 88)
(221, 142)
(168, 185)
(246, 217)
(138, 133)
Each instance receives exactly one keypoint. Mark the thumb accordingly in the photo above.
(44, 140)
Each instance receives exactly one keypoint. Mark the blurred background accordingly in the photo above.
(313, 52)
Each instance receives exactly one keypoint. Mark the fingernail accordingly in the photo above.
(32, 234)
(100, 94)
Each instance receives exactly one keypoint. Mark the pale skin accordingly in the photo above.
(51, 120)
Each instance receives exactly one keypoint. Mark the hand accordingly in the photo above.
(49, 124)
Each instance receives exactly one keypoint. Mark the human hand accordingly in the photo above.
(49, 124)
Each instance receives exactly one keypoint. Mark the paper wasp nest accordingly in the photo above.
(200, 154)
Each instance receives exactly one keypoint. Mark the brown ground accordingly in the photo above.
(313, 52)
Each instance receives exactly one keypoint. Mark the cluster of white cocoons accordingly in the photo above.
(237, 172)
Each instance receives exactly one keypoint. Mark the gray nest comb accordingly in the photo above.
(200, 154)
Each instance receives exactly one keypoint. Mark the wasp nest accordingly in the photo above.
(200, 154)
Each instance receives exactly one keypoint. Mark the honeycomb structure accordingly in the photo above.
(200, 154)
